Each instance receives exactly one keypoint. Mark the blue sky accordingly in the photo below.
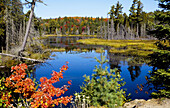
(94, 8)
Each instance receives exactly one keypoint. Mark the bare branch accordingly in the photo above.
(40, 1)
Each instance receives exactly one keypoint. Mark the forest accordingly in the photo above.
(30, 42)
(118, 25)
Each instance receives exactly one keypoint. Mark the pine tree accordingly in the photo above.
(104, 87)
(135, 16)
(165, 4)
(116, 15)
(160, 76)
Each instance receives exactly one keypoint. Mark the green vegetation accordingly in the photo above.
(160, 59)
(103, 88)
(125, 47)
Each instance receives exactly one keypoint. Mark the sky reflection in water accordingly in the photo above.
(83, 63)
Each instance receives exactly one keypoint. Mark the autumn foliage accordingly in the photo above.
(31, 96)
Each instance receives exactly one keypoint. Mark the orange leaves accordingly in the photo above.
(43, 96)
(18, 81)
(47, 90)
(69, 82)
(141, 88)
(43, 79)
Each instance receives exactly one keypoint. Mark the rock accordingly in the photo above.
(151, 103)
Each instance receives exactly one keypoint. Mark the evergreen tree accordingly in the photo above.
(104, 87)
(160, 76)
(135, 16)
(165, 4)
(115, 11)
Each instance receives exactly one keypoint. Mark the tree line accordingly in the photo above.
(119, 25)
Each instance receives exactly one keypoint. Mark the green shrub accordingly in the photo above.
(104, 87)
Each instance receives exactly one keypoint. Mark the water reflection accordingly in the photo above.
(80, 63)
(134, 72)
(133, 69)
(69, 43)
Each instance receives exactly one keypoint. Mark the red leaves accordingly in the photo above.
(43, 96)
(69, 82)
(141, 88)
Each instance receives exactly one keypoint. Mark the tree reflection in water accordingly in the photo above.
(134, 72)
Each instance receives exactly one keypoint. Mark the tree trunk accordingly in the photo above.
(141, 30)
(137, 31)
(101, 30)
(7, 31)
(34, 60)
(144, 29)
(118, 30)
(108, 34)
(28, 25)
(20, 34)
(105, 34)
(131, 31)
(112, 29)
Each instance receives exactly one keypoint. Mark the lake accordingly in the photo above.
(82, 62)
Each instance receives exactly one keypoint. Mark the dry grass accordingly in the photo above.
(125, 47)
(70, 35)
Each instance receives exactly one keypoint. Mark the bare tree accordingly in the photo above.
(101, 30)
(105, 34)
(7, 30)
(29, 22)
(112, 29)
(108, 30)
(137, 31)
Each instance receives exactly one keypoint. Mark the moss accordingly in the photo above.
(99, 50)
(125, 47)
(76, 49)
(57, 49)
(38, 56)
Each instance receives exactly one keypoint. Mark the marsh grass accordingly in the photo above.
(70, 35)
(125, 47)
(63, 50)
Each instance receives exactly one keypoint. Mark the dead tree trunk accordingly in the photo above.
(7, 30)
(101, 30)
(20, 34)
(144, 29)
(131, 31)
(137, 31)
(88, 30)
(108, 30)
(118, 30)
(105, 34)
(112, 29)
(34, 60)
(28, 25)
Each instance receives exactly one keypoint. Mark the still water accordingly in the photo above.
(81, 63)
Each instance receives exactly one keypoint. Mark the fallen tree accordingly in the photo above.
(25, 58)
